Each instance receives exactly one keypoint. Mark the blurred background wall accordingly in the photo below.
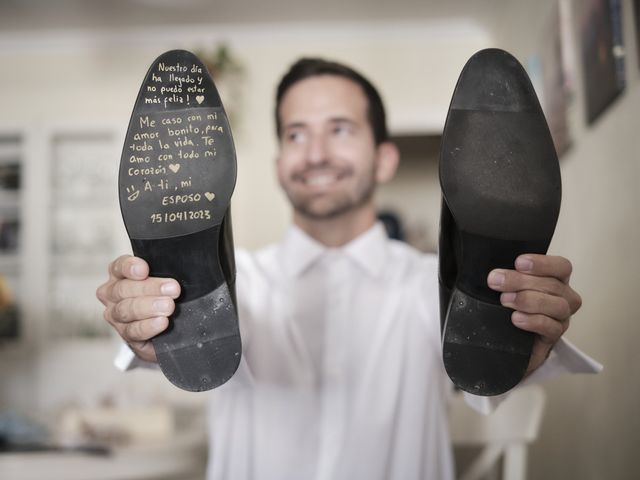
(70, 72)
(592, 423)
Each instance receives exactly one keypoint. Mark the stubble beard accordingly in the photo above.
(331, 207)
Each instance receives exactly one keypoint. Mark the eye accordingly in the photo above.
(342, 129)
(295, 136)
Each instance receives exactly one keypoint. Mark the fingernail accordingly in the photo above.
(524, 264)
(170, 289)
(496, 279)
(519, 318)
(159, 322)
(507, 297)
(137, 270)
(162, 305)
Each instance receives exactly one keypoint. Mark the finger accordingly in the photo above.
(152, 286)
(512, 281)
(138, 332)
(139, 308)
(102, 293)
(528, 301)
(127, 266)
(143, 330)
(549, 329)
(144, 350)
(575, 300)
(545, 266)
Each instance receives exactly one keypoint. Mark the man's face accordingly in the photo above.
(327, 162)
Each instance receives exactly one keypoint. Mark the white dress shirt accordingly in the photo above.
(341, 377)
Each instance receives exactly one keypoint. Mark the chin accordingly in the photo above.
(325, 211)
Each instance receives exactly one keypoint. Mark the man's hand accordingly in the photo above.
(137, 306)
(539, 292)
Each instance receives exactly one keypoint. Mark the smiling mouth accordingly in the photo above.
(323, 180)
(318, 179)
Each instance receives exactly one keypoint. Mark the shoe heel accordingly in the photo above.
(483, 352)
(201, 349)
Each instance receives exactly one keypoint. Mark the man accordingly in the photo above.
(342, 374)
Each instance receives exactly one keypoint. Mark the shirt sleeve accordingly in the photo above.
(126, 360)
(564, 358)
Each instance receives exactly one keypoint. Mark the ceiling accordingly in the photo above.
(53, 15)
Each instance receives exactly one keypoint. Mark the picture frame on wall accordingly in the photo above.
(557, 75)
(602, 56)
(636, 16)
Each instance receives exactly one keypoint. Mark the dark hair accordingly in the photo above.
(312, 67)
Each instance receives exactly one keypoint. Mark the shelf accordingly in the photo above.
(10, 264)
(417, 146)
(10, 152)
(9, 200)
(100, 205)
(89, 264)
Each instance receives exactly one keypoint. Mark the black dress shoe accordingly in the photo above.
(177, 174)
(501, 192)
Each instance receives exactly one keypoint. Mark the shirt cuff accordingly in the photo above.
(564, 358)
(126, 360)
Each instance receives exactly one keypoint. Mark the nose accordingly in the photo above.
(317, 150)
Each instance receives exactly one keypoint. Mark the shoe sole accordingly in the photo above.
(501, 188)
(177, 175)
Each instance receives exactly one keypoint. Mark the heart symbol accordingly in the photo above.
(200, 99)
(174, 167)
(210, 196)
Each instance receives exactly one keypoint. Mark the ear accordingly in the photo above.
(388, 159)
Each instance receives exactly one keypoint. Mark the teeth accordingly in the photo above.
(321, 180)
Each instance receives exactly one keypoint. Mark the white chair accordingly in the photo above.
(505, 432)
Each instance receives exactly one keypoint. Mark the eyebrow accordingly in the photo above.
(293, 125)
(300, 124)
(342, 120)
(303, 125)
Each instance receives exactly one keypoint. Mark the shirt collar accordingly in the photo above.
(369, 250)
(299, 251)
